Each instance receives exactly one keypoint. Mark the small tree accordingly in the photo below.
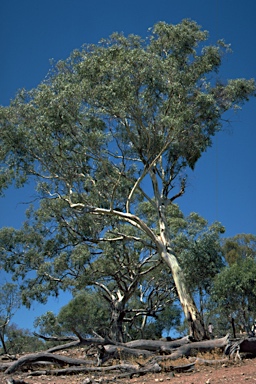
(113, 125)
(239, 247)
(236, 283)
(9, 303)
(48, 325)
(21, 340)
(86, 313)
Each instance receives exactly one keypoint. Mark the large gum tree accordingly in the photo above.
(116, 124)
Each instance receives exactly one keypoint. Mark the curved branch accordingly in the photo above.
(128, 217)
(102, 286)
(147, 168)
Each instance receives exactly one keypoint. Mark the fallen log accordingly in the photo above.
(201, 361)
(187, 349)
(4, 366)
(55, 338)
(42, 356)
(182, 368)
(72, 344)
(157, 345)
(154, 368)
(120, 352)
(244, 345)
(129, 369)
(248, 345)
(126, 370)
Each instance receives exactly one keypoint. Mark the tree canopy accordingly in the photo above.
(236, 284)
(114, 125)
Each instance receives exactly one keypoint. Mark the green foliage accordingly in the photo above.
(166, 321)
(197, 244)
(143, 97)
(9, 303)
(236, 283)
(86, 313)
(239, 247)
(21, 341)
(48, 325)
(9, 300)
(200, 252)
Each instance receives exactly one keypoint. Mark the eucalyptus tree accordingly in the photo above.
(9, 303)
(233, 296)
(115, 124)
(239, 247)
(236, 283)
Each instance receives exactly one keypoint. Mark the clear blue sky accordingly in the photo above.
(223, 186)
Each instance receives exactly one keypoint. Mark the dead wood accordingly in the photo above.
(43, 356)
(4, 366)
(130, 369)
(158, 345)
(72, 344)
(183, 368)
(78, 342)
(243, 345)
(188, 349)
(55, 338)
(153, 368)
(248, 345)
(199, 360)
(120, 352)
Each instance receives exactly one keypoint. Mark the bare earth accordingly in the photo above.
(229, 372)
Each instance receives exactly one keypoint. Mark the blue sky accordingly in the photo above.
(223, 185)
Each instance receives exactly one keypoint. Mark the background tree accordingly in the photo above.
(162, 324)
(85, 314)
(239, 247)
(19, 340)
(9, 303)
(88, 314)
(113, 124)
(48, 325)
(236, 283)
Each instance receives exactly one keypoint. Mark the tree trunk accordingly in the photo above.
(233, 326)
(195, 322)
(3, 343)
(116, 325)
